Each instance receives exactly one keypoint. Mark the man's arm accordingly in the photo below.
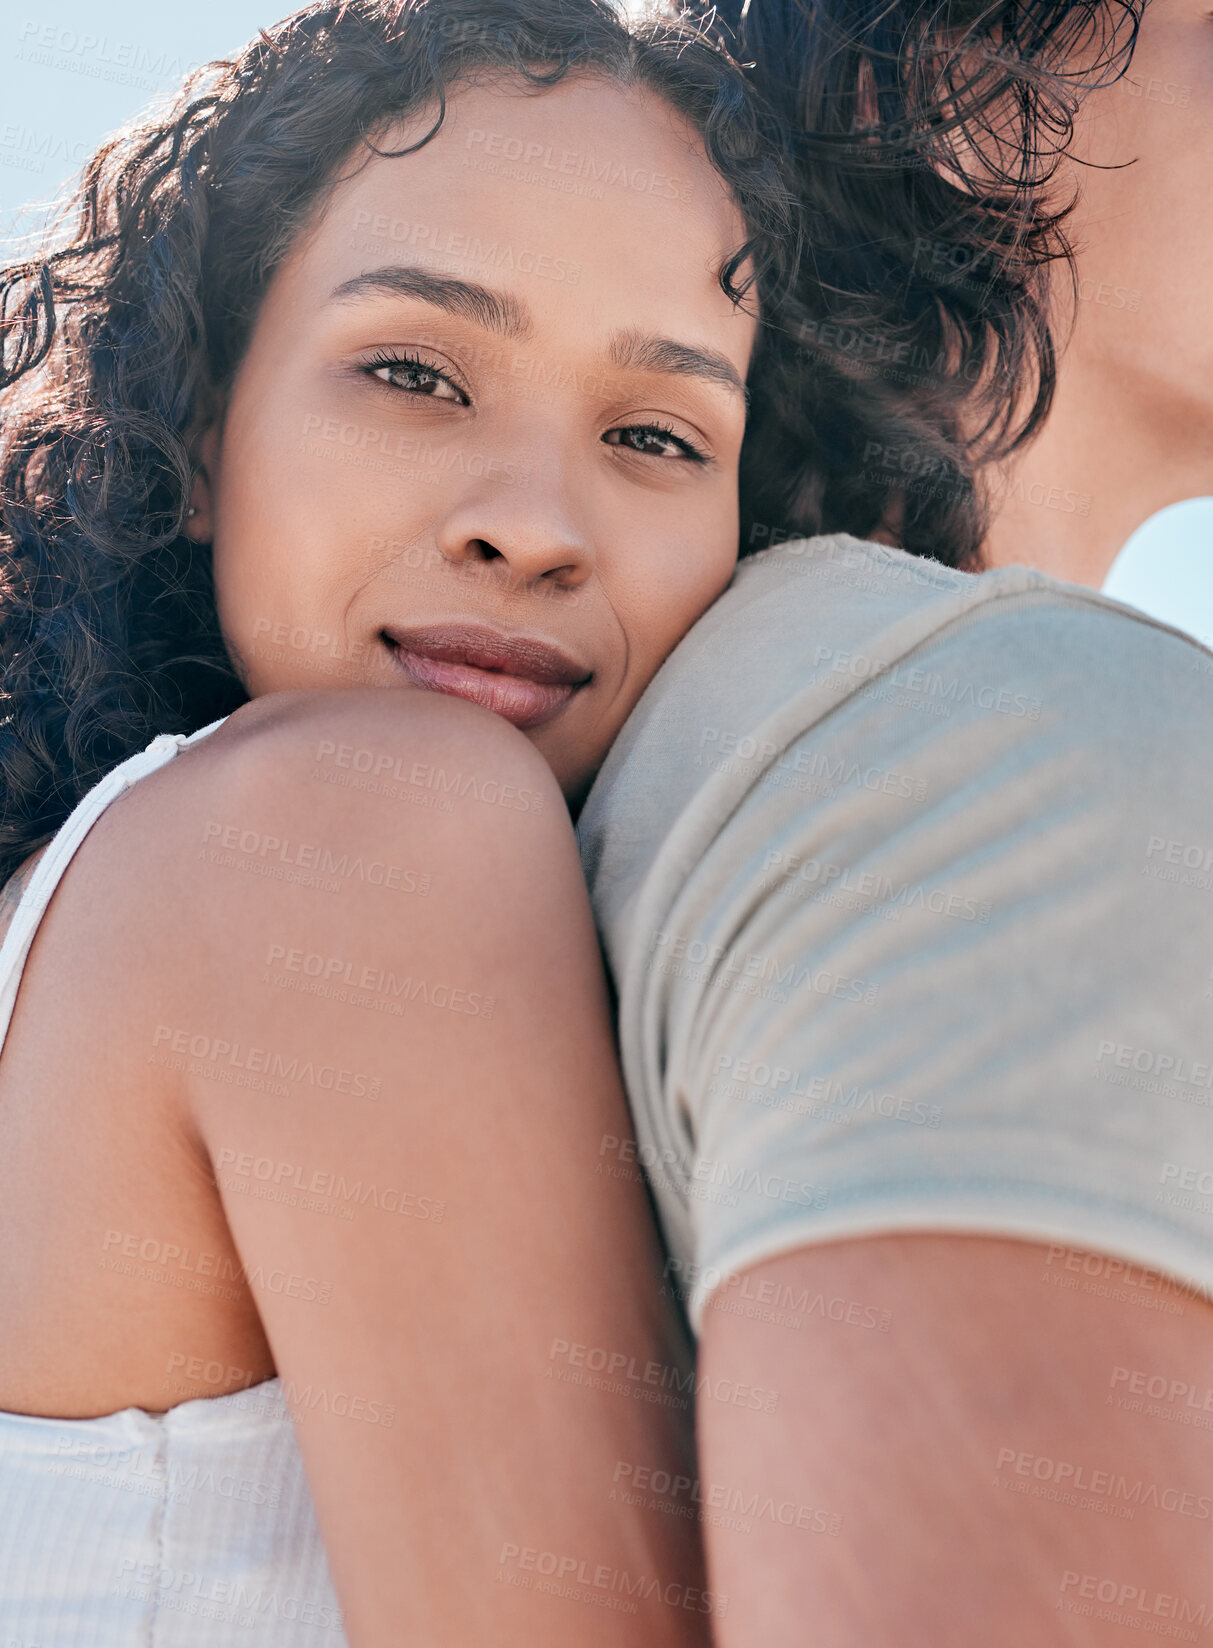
(1021, 1458)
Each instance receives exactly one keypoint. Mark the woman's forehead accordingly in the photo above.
(588, 147)
(586, 196)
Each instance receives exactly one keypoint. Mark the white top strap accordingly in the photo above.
(58, 856)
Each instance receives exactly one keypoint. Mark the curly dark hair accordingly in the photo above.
(133, 318)
(926, 136)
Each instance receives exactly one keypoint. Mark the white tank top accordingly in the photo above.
(192, 1528)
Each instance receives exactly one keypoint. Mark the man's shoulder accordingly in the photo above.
(807, 627)
(855, 587)
(804, 624)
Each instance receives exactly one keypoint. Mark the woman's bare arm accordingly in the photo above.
(497, 1356)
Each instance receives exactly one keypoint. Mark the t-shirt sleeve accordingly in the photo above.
(948, 963)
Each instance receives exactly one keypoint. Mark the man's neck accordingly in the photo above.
(1116, 448)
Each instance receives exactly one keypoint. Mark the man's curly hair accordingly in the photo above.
(927, 137)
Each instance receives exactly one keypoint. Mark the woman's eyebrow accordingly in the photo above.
(503, 313)
(646, 352)
(495, 311)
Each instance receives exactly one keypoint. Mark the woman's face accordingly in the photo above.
(493, 383)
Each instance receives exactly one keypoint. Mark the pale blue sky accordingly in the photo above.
(72, 71)
(1167, 568)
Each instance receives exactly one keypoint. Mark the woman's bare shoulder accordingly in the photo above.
(296, 790)
(375, 758)
(299, 807)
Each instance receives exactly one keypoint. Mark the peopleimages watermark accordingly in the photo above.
(1182, 863)
(733, 751)
(1107, 1277)
(201, 1370)
(710, 1178)
(358, 984)
(741, 1293)
(779, 1087)
(654, 1488)
(97, 55)
(955, 262)
(875, 354)
(318, 652)
(866, 891)
(565, 1573)
(1158, 1396)
(1153, 1071)
(312, 863)
(379, 769)
(599, 1368)
(276, 1397)
(404, 561)
(262, 1068)
(1133, 1604)
(913, 468)
(459, 245)
(278, 1180)
(1155, 90)
(177, 1264)
(146, 1470)
(1108, 296)
(240, 1601)
(418, 450)
(531, 376)
(1187, 1187)
(31, 148)
(1041, 494)
(1101, 1488)
(572, 163)
(843, 670)
(749, 972)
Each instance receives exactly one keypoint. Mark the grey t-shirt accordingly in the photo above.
(905, 880)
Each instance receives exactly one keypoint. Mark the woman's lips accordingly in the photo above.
(515, 698)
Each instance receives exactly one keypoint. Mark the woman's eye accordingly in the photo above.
(417, 378)
(654, 440)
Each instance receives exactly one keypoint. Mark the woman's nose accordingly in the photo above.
(520, 521)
